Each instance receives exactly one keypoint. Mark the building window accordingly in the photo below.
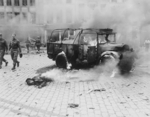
(24, 2)
(1, 15)
(8, 2)
(9, 16)
(17, 16)
(16, 2)
(32, 2)
(68, 1)
(1, 3)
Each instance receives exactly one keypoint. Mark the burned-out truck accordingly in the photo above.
(82, 46)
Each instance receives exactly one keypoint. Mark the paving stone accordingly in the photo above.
(123, 97)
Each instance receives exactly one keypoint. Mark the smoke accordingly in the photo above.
(96, 73)
(20, 26)
(130, 20)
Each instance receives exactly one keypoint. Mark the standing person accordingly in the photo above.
(38, 43)
(147, 45)
(15, 50)
(28, 43)
(3, 49)
(127, 60)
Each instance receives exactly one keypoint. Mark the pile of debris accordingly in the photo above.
(38, 81)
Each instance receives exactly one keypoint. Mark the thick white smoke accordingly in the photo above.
(130, 20)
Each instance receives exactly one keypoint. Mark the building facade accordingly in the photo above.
(44, 15)
(49, 11)
(64, 12)
(19, 10)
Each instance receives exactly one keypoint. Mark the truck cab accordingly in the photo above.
(77, 46)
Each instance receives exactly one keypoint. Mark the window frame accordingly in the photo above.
(16, 3)
(1, 2)
(9, 2)
(24, 3)
(32, 2)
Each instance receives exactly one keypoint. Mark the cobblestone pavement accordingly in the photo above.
(104, 97)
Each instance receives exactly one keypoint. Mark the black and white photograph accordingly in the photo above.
(74, 58)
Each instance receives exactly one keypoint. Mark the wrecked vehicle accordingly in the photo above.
(73, 47)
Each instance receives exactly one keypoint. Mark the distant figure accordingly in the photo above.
(38, 43)
(28, 44)
(127, 60)
(147, 44)
(15, 49)
(3, 49)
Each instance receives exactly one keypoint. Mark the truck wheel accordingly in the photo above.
(106, 58)
(61, 61)
(125, 65)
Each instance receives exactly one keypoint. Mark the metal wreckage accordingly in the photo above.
(73, 48)
(80, 48)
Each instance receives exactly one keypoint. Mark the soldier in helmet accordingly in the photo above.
(38, 43)
(28, 43)
(15, 49)
(3, 48)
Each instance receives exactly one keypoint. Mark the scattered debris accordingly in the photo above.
(128, 85)
(146, 99)
(20, 84)
(73, 105)
(122, 102)
(97, 90)
(147, 114)
(77, 113)
(91, 108)
(100, 89)
(80, 94)
(141, 93)
(18, 113)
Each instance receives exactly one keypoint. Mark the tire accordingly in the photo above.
(61, 61)
(126, 62)
(105, 59)
(125, 66)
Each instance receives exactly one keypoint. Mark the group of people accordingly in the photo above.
(37, 43)
(14, 48)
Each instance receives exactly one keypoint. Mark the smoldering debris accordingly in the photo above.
(38, 81)
(73, 105)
